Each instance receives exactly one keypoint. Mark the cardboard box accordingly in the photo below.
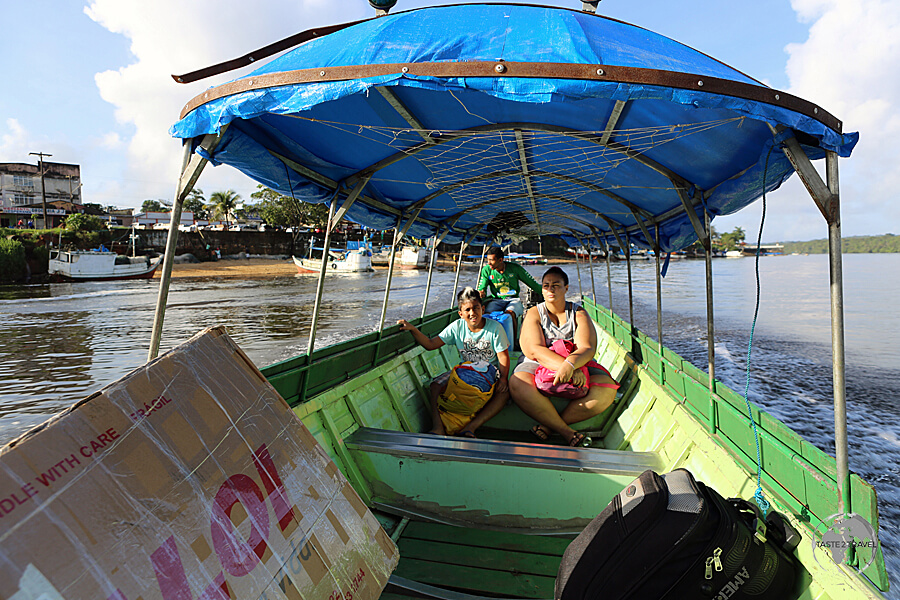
(190, 478)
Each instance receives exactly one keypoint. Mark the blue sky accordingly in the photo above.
(89, 82)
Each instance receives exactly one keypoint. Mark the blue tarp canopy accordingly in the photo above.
(510, 121)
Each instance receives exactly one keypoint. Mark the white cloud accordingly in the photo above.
(850, 65)
(170, 36)
(14, 141)
(111, 141)
(17, 142)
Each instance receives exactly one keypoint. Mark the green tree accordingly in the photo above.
(92, 208)
(224, 203)
(12, 260)
(733, 239)
(83, 222)
(196, 203)
(155, 206)
(277, 209)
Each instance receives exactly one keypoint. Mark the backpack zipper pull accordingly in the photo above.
(709, 567)
(717, 561)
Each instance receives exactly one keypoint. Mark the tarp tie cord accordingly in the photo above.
(780, 138)
(287, 173)
(665, 267)
(758, 496)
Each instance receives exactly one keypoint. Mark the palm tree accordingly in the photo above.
(224, 203)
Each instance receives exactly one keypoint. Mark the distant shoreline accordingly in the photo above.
(264, 268)
(260, 268)
(246, 268)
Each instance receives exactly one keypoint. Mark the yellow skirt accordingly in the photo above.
(454, 422)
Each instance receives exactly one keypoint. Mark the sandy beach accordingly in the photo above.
(263, 268)
(246, 268)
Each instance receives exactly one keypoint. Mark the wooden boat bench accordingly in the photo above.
(437, 561)
(500, 484)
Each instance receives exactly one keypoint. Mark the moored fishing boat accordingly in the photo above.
(100, 265)
(351, 260)
(416, 256)
(491, 517)
(582, 252)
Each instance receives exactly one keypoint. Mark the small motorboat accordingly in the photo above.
(100, 265)
(357, 260)
(414, 257)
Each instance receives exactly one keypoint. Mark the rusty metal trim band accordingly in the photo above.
(613, 74)
(261, 53)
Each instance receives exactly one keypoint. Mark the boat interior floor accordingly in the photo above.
(456, 563)
(446, 502)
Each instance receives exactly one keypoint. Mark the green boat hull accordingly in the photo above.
(492, 517)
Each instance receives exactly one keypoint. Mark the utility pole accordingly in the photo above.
(43, 194)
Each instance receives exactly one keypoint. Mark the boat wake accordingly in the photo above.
(106, 293)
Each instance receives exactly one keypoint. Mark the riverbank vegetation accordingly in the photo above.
(12, 260)
(863, 244)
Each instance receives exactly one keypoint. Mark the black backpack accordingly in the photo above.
(673, 537)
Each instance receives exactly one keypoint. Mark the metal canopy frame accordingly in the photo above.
(542, 70)
(825, 193)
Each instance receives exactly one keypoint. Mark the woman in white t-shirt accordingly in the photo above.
(477, 339)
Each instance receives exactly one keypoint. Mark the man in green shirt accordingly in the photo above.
(500, 279)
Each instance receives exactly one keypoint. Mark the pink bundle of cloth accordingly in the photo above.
(543, 377)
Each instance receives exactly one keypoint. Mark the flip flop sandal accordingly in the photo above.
(540, 433)
(467, 434)
(579, 439)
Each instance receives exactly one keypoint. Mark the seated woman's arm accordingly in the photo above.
(585, 340)
(531, 340)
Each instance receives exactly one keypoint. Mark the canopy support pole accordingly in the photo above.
(351, 198)
(704, 232)
(601, 243)
(626, 248)
(437, 239)
(659, 329)
(323, 270)
(398, 235)
(630, 289)
(837, 333)
(591, 263)
(818, 189)
(463, 243)
(526, 177)
(578, 270)
(827, 198)
(320, 288)
(484, 250)
(404, 112)
(191, 166)
(710, 323)
(608, 275)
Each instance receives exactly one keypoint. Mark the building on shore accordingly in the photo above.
(22, 198)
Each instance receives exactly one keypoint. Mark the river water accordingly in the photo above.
(61, 342)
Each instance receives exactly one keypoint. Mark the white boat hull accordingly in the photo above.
(90, 265)
(414, 258)
(353, 262)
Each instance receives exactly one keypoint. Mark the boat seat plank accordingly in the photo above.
(482, 538)
(399, 588)
(476, 580)
(443, 448)
(484, 558)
